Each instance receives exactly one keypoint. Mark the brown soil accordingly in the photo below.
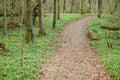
(75, 59)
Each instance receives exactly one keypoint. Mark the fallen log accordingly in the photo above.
(2, 47)
(3, 50)
(92, 35)
(115, 28)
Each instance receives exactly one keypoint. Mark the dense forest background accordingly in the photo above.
(108, 6)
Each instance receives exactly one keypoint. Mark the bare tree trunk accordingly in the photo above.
(58, 9)
(29, 30)
(41, 19)
(5, 23)
(44, 1)
(54, 17)
(117, 2)
(89, 6)
(82, 7)
(64, 6)
(99, 8)
(11, 11)
(72, 4)
(21, 12)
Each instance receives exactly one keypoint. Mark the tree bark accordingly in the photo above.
(99, 8)
(64, 6)
(41, 19)
(5, 24)
(29, 30)
(82, 7)
(72, 4)
(54, 17)
(58, 9)
(117, 2)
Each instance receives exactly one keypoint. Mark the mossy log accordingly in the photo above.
(114, 20)
(92, 35)
(115, 28)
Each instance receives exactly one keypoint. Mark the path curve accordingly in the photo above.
(75, 59)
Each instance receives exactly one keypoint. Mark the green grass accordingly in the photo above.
(34, 55)
(110, 57)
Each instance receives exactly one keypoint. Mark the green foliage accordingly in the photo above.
(110, 57)
(34, 54)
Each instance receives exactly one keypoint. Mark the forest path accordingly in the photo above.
(75, 59)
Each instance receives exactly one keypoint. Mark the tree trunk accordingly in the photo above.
(82, 7)
(64, 6)
(5, 24)
(99, 8)
(29, 30)
(41, 19)
(54, 17)
(89, 6)
(72, 4)
(58, 9)
(117, 2)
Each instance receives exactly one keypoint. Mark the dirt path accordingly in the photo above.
(75, 59)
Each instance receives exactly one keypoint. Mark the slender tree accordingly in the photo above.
(21, 38)
(29, 30)
(82, 6)
(54, 17)
(5, 23)
(89, 6)
(64, 6)
(44, 1)
(41, 19)
(117, 2)
(72, 4)
(99, 8)
(58, 9)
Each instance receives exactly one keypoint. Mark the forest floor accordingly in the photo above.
(74, 59)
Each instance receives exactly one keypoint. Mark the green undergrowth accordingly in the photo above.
(34, 54)
(110, 57)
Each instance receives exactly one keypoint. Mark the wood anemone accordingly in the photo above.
(115, 28)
